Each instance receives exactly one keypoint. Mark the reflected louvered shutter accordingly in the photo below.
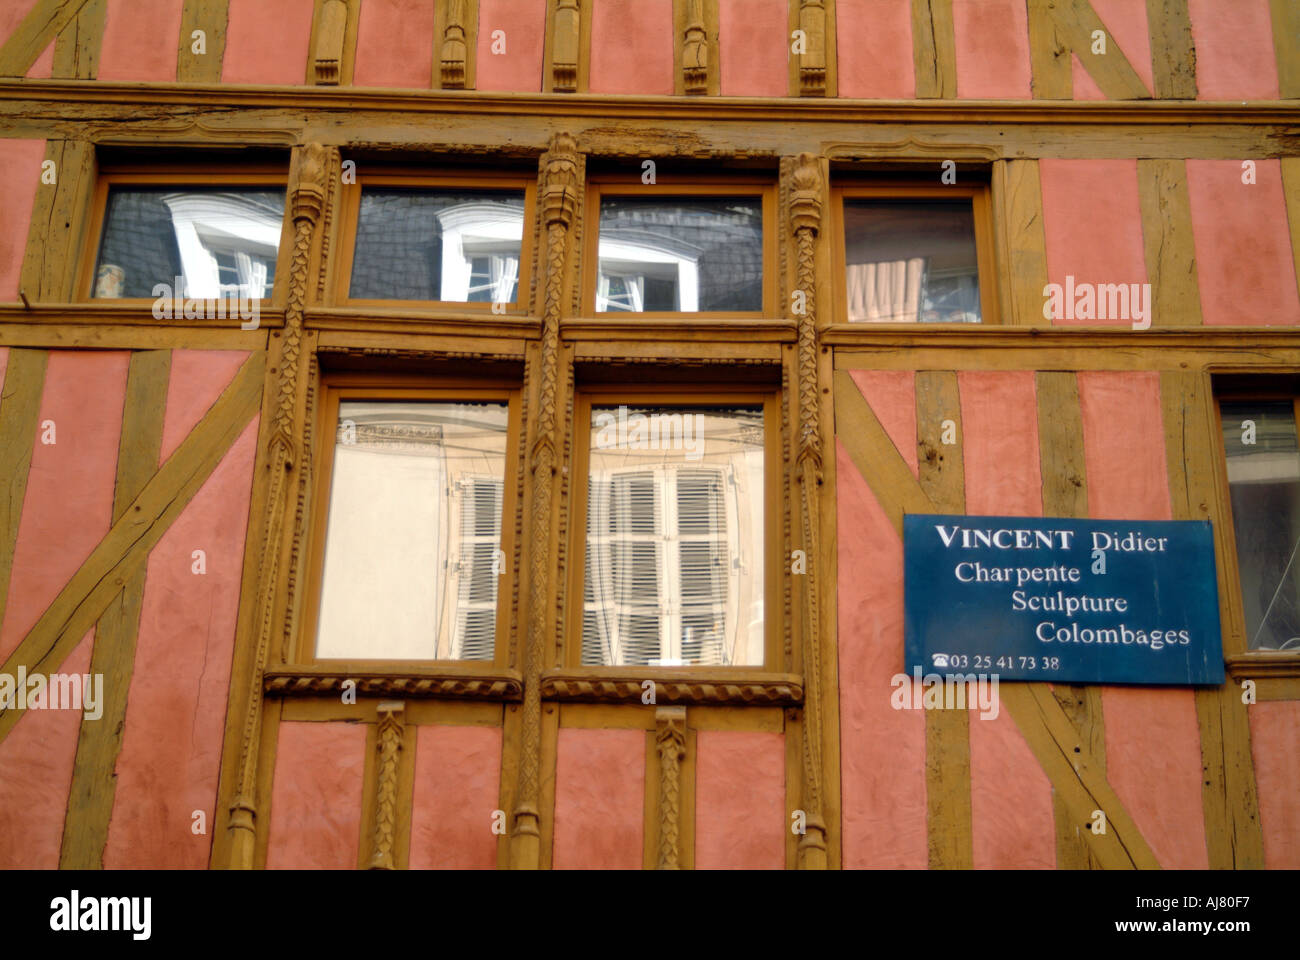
(480, 538)
(623, 602)
(703, 555)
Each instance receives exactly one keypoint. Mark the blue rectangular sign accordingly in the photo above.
(1070, 601)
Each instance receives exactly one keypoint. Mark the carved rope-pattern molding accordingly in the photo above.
(389, 743)
(485, 687)
(308, 198)
(670, 743)
(777, 691)
(805, 222)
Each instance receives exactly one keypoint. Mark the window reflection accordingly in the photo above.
(222, 243)
(909, 261)
(1264, 481)
(674, 560)
(680, 255)
(412, 561)
(451, 245)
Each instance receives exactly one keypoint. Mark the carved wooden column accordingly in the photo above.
(567, 31)
(389, 744)
(812, 62)
(282, 462)
(454, 48)
(805, 223)
(670, 741)
(559, 195)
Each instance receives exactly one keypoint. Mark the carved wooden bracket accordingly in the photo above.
(389, 743)
(327, 58)
(567, 26)
(812, 62)
(670, 742)
(695, 50)
(454, 47)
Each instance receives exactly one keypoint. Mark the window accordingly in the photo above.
(412, 546)
(447, 241)
(221, 240)
(913, 254)
(702, 251)
(678, 507)
(1263, 466)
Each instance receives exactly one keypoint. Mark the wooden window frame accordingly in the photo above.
(697, 188)
(1242, 655)
(199, 176)
(982, 216)
(773, 571)
(409, 389)
(402, 178)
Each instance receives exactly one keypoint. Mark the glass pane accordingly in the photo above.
(222, 242)
(680, 255)
(458, 246)
(911, 260)
(1264, 480)
(412, 561)
(674, 562)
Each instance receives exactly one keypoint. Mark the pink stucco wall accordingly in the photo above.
(167, 769)
(395, 44)
(753, 48)
(21, 162)
(1126, 24)
(141, 38)
(1243, 243)
(1275, 745)
(1152, 735)
(632, 47)
(874, 49)
(1012, 821)
(882, 762)
(457, 791)
(316, 796)
(599, 799)
(1092, 225)
(519, 68)
(1235, 59)
(740, 815)
(992, 38)
(68, 502)
(267, 42)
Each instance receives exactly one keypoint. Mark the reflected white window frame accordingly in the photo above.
(205, 228)
(193, 180)
(980, 194)
(766, 606)
(460, 243)
(595, 298)
(395, 388)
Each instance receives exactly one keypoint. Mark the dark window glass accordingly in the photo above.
(222, 242)
(1264, 481)
(680, 255)
(911, 260)
(458, 246)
